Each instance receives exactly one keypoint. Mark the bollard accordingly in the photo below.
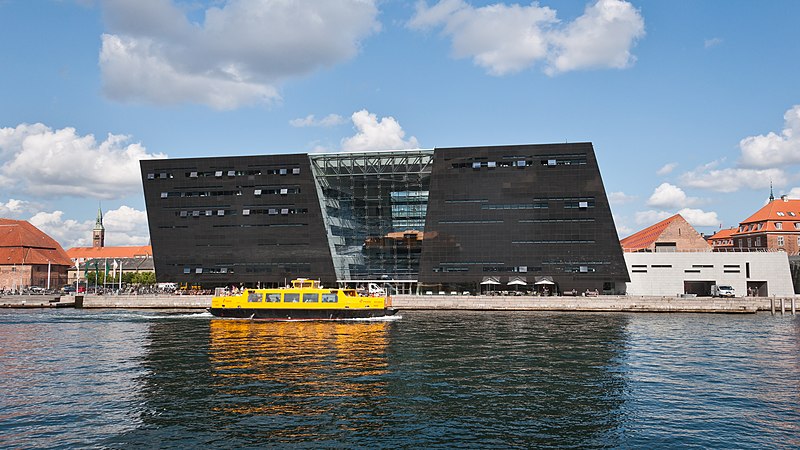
(793, 310)
(772, 305)
(783, 305)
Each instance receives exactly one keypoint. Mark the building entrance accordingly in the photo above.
(698, 287)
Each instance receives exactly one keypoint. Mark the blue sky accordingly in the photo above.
(692, 107)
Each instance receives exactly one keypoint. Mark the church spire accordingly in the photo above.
(771, 195)
(99, 231)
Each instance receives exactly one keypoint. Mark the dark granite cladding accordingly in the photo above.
(528, 211)
(246, 219)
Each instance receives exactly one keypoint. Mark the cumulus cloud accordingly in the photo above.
(620, 198)
(374, 134)
(124, 226)
(311, 121)
(666, 169)
(670, 196)
(236, 56)
(505, 39)
(696, 217)
(732, 179)
(13, 208)
(650, 217)
(773, 149)
(41, 162)
(700, 218)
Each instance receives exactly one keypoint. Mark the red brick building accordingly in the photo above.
(28, 257)
(775, 227)
(722, 240)
(670, 235)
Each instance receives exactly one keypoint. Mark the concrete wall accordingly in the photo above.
(664, 273)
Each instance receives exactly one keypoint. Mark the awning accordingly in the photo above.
(544, 280)
(490, 280)
(517, 281)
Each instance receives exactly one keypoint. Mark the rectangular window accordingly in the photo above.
(245, 212)
(253, 297)
(310, 298)
(209, 213)
(329, 298)
(198, 270)
(184, 214)
(257, 192)
(284, 191)
(778, 225)
(285, 212)
(296, 171)
(551, 162)
(218, 173)
(192, 174)
(187, 270)
(164, 194)
(220, 212)
(780, 241)
(282, 172)
(231, 173)
(520, 163)
(291, 298)
(151, 176)
(491, 164)
(583, 204)
(273, 211)
(476, 165)
(273, 298)
(195, 213)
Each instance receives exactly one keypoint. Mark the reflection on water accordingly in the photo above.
(120, 379)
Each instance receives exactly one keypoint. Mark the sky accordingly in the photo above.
(692, 107)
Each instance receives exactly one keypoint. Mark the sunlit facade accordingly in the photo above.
(445, 218)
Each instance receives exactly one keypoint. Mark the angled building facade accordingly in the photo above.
(446, 218)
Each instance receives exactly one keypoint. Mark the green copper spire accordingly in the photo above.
(98, 225)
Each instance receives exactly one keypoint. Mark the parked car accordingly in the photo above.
(722, 290)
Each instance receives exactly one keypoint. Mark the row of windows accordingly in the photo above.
(760, 226)
(220, 173)
(261, 268)
(489, 221)
(245, 212)
(757, 241)
(556, 241)
(569, 203)
(577, 160)
(256, 192)
(256, 297)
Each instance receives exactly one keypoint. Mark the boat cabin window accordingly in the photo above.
(291, 298)
(274, 298)
(254, 297)
(310, 298)
(329, 298)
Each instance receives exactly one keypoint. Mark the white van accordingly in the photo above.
(722, 290)
(375, 290)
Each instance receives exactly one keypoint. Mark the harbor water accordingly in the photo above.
(426, 379)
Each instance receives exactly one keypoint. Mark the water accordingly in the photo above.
(158, 379)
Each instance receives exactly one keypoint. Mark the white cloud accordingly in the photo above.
(772, 149)
(13, 208)
(374, 134)
(730, 179)
(68, 232)
(620, 198)
(311, 121)
(124, 226)
(670, 196)
(601, 37)
(713, 42)
(235, 56)
(41, 162)
(623, 230)
(666, 169)
(700, 218)
(506, 39)
(651, 217)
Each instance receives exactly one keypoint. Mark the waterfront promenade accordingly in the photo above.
(604, 303)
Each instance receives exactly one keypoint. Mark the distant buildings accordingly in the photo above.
(774, 227)
(670, 235)
(29, 257)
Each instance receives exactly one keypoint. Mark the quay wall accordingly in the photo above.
(607, 303)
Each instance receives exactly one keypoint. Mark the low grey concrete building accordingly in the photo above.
(670, 274)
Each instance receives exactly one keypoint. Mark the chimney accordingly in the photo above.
(783, 197)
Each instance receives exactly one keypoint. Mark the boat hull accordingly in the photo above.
(300, 314)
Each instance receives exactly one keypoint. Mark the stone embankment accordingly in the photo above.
(604, 303)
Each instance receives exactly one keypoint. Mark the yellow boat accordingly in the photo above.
(304, 300)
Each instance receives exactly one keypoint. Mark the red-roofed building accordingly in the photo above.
(29, 257)
(722, 240)
(670, 235)
(776, 226)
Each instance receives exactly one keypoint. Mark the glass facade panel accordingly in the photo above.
(374, 206)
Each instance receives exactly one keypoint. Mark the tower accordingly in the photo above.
(99, 232)
(771, 195)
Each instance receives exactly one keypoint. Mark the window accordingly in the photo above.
(521, 163)
(273, 298)
(151, 176)
(231, 173)
(291, 298)
(778, 225)
(797, 225)
(780, 213)
(583, 204)
(187, 270)
(257, 192)
(792, 214)
(491, 164)
(163, 175)
(551, 162)
(220, 212)
(195, 213)
(310, 298)
(283, 172)
(329, 298)
(192, 174)
(164, 195)
(245, 212)
(780, 241)
(798, 241)
(296, 171)
(184, 214)
(198, 270)
(209, 213)
(476, 165)
(758, 242)
(749, 242)
(273, 211)
(284, 191)
(218, 173)
(285, 211)
(253, 297)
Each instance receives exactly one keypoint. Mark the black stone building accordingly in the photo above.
(452, 219)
